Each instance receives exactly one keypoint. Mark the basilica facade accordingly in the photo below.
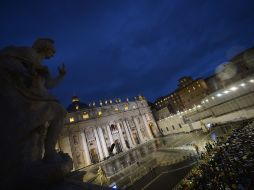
(94, 133)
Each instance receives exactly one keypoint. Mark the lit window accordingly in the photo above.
(193, 88)
(189, 91)
(126, 107)
(252, 80)
(77, 107)
(116, 108)
(71, 119)
(85, 115)
(199, 85)
(99, 113)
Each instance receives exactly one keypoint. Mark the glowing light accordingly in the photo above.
(213, 98)
(85, 115)
(202, 102)
(226, 92)
(218, 95)
(243, 84)
(71, 119)
(207, 100)
(199, 106)
(233, 88)
(252, 80)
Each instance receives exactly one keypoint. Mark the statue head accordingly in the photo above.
(44, 47)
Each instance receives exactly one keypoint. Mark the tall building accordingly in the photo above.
(184, 81)
(172, 102)
(92, 134)
(192, 91)
(188, 93)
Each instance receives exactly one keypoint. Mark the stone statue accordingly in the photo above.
(31, 117)
(102, 176)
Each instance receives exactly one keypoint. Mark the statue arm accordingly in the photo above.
(51, 83)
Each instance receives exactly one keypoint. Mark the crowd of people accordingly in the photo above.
(226, 165)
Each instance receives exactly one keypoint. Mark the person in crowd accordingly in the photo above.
(227, 166)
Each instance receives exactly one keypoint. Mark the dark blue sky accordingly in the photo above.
(123, 48)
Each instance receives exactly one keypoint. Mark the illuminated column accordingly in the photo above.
(147, 127)
(128, 126)
(86, 150)
(121, 136)
(128, 134)
(103, 142)
(98, 143)
(139, 131)
(110, 137)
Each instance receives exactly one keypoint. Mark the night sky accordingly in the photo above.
(125, 48)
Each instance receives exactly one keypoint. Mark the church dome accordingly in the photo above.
(76, 105)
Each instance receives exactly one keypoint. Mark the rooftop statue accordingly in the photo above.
(31, 117)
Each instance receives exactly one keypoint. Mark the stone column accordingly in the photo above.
(128, 126)
(98, 143)
(128, 134)
(86, 150)
(110, 135)
(139, 131)
(110, 138)
(147, 127)
(121, 136)
(103, 142)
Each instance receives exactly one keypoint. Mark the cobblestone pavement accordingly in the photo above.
(125, 169)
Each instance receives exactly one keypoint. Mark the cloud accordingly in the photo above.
(122, 48)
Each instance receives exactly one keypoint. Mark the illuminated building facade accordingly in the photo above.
(93, 133)
(188, 93)
(192, 91)
(172, 102)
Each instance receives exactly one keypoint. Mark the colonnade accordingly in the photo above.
(122, 125)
